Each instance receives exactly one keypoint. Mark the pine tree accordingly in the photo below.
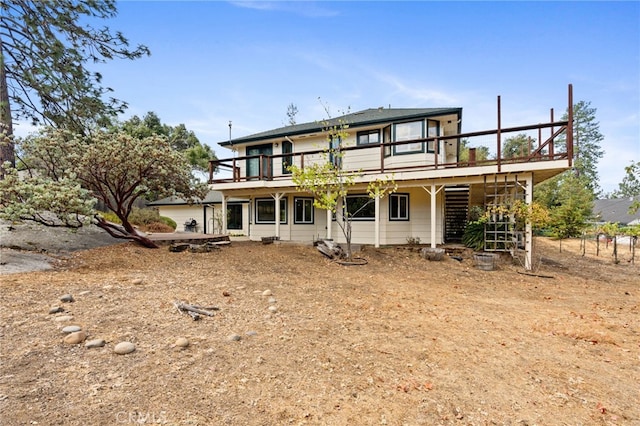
(45, 49)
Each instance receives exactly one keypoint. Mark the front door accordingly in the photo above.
(255, 168)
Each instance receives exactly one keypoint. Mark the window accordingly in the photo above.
(433, 130)
(335, 156)
(407, 132)
(287, 160)
(399, 207)
(386, 138)
(370, 137)
(266, 210)
(303, 210)
(361, 207)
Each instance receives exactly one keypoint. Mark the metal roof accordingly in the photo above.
(363, 118)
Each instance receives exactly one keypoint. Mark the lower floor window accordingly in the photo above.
(361, 207)
(303, 210)
(399, 207)
(266, 210)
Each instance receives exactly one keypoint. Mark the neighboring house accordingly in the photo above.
(206, 215)
(420, 147)
(616, 211)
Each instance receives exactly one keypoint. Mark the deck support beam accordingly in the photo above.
(329, 222)
(528, 232)
(225, 198)
(376, 225)
(433, 191)
(277, 197)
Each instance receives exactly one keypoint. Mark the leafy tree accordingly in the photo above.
(45, 51)
(630, 185)
(482, 152)
(330, 184)
(517, 146)
(180, 139)
(574, 204)
(67, 172)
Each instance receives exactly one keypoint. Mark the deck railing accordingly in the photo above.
(545, 142)
(362, 159)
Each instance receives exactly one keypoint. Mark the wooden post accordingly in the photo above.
(569, 137)
(499, 136)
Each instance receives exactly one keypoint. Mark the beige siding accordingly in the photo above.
(180, 214)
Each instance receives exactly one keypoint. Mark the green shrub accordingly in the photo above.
(473, 236)
(142, 217)
(110, 217)
(169, 222)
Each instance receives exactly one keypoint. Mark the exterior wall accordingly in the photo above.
(214, 220)
(290, 230)
(361, 159)
(182, 213)
(419, 223)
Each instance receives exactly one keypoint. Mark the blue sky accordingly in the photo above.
(215, 61)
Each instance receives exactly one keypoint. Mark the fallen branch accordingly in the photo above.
(536, 275)
(194, 310)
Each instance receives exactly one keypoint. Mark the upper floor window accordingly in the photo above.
(433, 130)
(287, 160)
(335, 154)
(369, 137)
(406, 132)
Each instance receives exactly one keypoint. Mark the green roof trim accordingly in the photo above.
(363, 118)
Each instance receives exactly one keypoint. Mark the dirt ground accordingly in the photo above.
(301, 340)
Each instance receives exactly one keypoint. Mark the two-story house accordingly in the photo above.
(426, 153)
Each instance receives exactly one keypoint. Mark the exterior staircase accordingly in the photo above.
(456, 212)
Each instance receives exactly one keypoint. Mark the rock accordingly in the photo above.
(84, 293)
(124, 348)
(71, 329)
(182, 342)
(267, 293)
(226, 294)
(55, 309)
(137, 281)
(95, 343)
(67, 298)
(273, 309)
(63, 318)
(251, 333)
(234, 338)
(75, 338)
(272, 300)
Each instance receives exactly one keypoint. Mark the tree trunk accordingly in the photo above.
(7, 151)
(118, 231)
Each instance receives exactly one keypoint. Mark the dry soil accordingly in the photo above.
(299, 339)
